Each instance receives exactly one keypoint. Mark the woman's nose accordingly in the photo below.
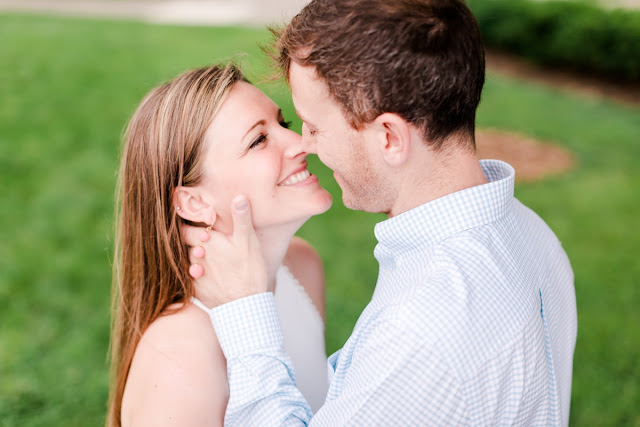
(294, 145)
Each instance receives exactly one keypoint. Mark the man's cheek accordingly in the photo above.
(325, 157)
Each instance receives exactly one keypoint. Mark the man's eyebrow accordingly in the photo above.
(258, 123)
(303, 119)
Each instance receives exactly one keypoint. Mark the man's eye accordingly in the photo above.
(259, 140)
(285, 124)
(311, 132)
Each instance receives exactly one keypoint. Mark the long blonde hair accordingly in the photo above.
(163, 149)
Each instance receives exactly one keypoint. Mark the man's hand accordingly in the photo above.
(231, 267)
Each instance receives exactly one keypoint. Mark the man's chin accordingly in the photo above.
(352, 203)
(364, 205)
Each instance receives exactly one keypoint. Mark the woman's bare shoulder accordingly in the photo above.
(178, 373)
(306, 266)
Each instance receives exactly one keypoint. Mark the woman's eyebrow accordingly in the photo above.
(258, 123)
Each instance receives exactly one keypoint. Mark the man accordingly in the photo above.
(473, 319)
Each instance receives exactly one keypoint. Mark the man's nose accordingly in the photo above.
(308, 141)
(309, 144)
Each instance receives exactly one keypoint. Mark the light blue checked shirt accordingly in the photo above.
(472, 322)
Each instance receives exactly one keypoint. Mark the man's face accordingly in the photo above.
(344, 150)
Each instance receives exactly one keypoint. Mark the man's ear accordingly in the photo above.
(192, 205)
(392, 134)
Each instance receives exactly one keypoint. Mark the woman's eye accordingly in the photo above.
(285, 124)
(259, 140)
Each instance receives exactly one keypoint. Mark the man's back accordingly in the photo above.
(475, 305)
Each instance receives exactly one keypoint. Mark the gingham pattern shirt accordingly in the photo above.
(472, 322)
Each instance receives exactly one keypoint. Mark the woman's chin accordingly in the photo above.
(324, 203)
(327, 204)
(320, 207)
(296, 216)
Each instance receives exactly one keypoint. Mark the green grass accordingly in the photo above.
(67, 88)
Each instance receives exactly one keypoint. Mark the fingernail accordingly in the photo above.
(241, 204)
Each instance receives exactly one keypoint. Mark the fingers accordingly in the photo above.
(242, 221)
(193, 236)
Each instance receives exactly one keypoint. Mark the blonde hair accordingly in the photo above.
(163, 149)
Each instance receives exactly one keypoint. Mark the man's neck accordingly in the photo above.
(427, 178)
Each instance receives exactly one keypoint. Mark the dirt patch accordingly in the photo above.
(531, 159)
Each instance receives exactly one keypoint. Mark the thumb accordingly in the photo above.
(242, 221)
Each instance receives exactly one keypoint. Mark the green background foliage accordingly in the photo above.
(67, 88)
(574, 34)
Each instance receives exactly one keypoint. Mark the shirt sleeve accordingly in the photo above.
(390, 377)
(261, 376)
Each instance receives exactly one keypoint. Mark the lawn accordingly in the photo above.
(68, 86)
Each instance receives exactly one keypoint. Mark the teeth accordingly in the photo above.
(294, 179)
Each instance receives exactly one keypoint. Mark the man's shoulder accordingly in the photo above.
(466, 298)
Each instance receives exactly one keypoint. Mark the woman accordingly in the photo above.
(192, 144)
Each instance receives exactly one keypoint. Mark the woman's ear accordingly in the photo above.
(393, 138)
(193, 206)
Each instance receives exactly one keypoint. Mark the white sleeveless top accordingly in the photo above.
(303, 331)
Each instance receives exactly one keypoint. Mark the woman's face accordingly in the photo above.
(249, 150)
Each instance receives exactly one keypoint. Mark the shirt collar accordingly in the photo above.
(428, 224)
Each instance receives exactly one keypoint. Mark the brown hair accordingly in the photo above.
(163, 149)
(420, 59)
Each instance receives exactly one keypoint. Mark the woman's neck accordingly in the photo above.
(274, 242)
